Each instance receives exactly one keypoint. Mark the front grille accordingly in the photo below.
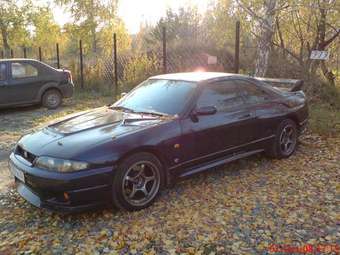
(25, 154)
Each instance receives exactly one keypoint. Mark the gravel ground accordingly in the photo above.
(248, 207)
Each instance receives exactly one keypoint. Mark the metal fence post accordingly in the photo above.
(25, 52)
(115, 62)
(12, 53)
(40, 55)
(164, 51)
(58, 59)
(81, 65)
(237, 48)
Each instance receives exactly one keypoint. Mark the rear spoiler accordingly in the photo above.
(283, 84)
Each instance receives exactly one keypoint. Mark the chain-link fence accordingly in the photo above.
(119, 69)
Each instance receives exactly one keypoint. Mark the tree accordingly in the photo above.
(265, 16)
(12, 20)
(182, 26)
(308, 25)
(91, 15)
(45, 30)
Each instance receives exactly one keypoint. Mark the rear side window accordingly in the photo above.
(23, 70)
(224, 96)
(3, 72)
(252, 93)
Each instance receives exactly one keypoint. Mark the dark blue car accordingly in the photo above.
(169, 127)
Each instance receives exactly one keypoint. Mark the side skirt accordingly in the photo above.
(221, 161)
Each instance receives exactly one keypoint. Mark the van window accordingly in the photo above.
(23, 70)
(3, 72)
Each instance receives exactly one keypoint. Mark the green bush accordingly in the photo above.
(138, 69)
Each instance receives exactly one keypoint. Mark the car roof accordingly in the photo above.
(17, 59)
(197, 76)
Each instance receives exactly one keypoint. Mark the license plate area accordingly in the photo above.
(17, 172)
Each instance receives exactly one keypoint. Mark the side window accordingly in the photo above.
(3, 72)
(224, 96)
(252, 93)
(23, 70)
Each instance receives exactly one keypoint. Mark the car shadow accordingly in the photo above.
(21, 109)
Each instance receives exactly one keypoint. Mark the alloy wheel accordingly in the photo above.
(288, 140)
(141, 183)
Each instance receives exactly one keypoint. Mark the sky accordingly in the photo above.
(135, 12)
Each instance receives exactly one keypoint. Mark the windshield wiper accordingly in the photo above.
(125, 109)
(161, 114)
(121, 108)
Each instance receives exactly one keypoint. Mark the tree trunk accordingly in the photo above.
(5, 43)
(94, 39)
(267, 28)
(93, 25)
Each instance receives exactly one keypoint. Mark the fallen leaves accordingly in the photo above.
(242, 208)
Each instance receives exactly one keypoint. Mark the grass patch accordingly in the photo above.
(324, 119)
(324, 109)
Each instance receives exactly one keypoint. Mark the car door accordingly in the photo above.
(219, 134)
(24, 83)
(267, 109)
(4, 92)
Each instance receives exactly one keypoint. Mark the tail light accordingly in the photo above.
(68, 76)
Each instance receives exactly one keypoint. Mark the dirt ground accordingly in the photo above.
(251, 206)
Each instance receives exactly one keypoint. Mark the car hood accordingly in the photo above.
(71, 135)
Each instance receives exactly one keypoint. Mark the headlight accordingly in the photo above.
(60, 165)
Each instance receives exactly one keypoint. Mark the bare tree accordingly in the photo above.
(308, 28)
(266, 18)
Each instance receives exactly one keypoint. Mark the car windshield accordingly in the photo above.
(158, 96)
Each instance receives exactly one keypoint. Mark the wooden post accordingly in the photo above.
(12, 53)
(2, 54)
(58, 59)
(115, 62)
(237, 47)
(25, 52)
(81, 65)
(164, 51)
(40, 54)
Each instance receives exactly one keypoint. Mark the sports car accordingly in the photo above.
(169, 127)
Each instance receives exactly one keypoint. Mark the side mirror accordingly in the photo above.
(206, 110)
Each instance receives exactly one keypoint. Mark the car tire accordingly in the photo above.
(51, 99)
(137, 181)
(285, 141)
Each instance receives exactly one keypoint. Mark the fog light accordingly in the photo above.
(66, 196)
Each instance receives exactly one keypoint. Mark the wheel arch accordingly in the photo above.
(46, 87)
(155, 152)
(293, 117)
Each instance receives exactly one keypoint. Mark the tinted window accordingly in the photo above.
(224, 96)
(252, 93)
(163, 96)
(23, 70)
(3, 72)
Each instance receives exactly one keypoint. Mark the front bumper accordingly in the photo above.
(84, 190)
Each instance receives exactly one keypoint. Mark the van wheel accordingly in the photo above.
(137, 181)
(51, 99)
